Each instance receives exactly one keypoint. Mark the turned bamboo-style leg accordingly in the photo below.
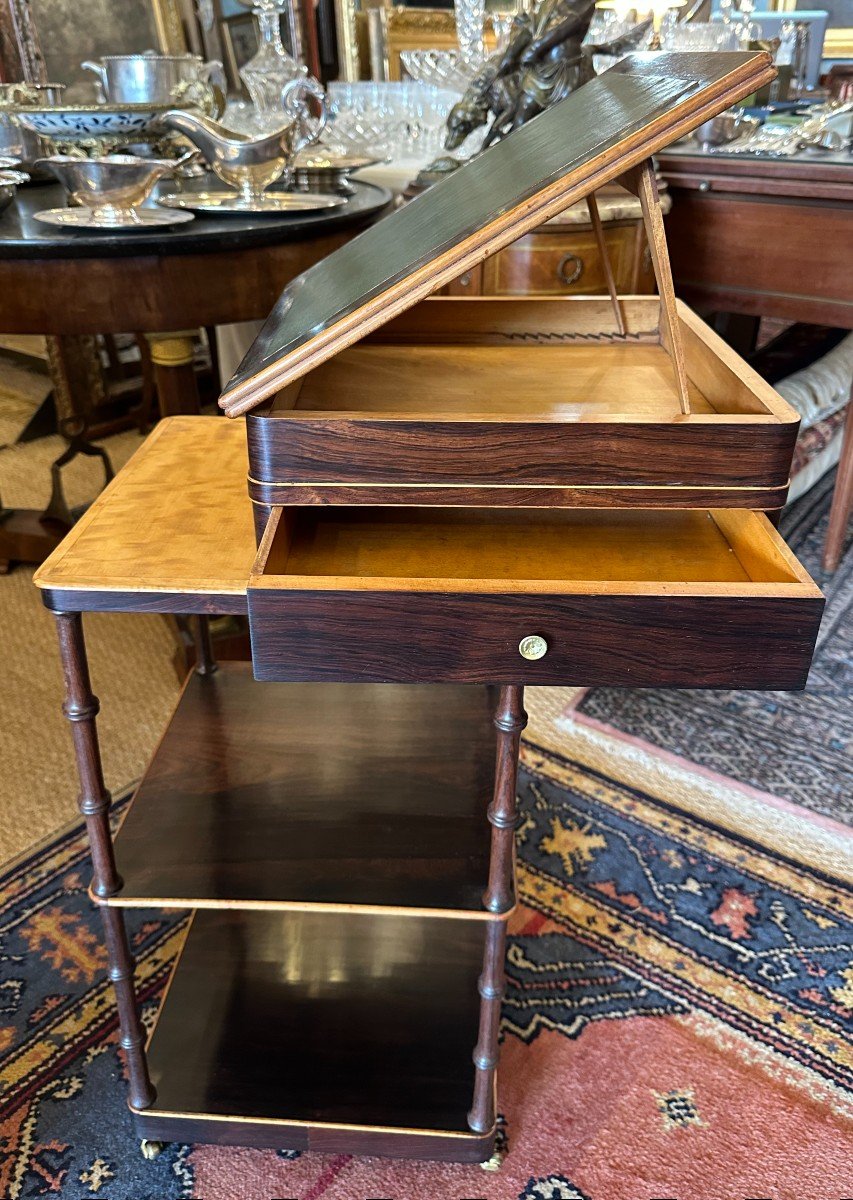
(205, 663)
(509, 720)
(81, 708)
(499, 898)
(140, 1090)
(483, 1112)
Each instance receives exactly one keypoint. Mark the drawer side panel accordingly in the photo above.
(317, 450)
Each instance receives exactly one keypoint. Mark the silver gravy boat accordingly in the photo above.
(114, 186)
(251, 164)
(151, 78)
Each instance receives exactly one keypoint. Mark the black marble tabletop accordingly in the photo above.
(22, 236)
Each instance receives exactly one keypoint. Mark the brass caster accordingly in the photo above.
(150, 1150)
(494, 1163)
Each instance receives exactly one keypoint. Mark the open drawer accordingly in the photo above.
(526, 402)
(678, 598)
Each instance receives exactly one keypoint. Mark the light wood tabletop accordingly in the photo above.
(172, 532)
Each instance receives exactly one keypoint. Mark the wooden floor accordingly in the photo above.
(322, 1018)
(314, 794)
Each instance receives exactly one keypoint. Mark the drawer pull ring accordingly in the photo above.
(567, 275)
(532, 647)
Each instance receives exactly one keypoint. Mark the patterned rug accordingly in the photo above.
(679, 1022)
(798, 745)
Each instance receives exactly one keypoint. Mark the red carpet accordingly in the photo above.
(677, 1025)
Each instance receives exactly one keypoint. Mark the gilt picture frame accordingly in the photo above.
(51, 38)
(239, 37)
(838, 40)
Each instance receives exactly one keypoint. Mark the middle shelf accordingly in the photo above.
(314, 795)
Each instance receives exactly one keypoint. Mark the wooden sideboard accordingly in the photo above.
(762, 237)
(767, 238)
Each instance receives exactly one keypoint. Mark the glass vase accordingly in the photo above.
(470, 17)
(266, 73)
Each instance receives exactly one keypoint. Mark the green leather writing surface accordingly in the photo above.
(583, 140)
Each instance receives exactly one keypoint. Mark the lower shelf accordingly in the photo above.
(324, 1030)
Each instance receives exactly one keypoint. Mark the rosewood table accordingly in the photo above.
(340, 823)
(343, 961)
(763, 237)
(214, 271)
(346, 848)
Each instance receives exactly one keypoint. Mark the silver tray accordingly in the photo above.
(321, 173)
(84, 218)
(224, 204)
(317, 160)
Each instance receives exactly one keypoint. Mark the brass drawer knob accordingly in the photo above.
(532, 647)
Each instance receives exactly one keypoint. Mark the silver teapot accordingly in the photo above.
(151, 78)
(251, 164)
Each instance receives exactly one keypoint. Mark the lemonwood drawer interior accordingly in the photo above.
(490, 393)
(631, 597)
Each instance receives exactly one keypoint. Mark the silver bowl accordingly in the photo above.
(725, 128)
(10, 178)
(112, 186)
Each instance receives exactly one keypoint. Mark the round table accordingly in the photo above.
(164, 283)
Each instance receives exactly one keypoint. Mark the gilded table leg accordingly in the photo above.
(172, 359)
(81, 708)
(510, 719)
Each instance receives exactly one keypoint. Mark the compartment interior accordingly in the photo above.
(591, 545)
(531, 359)
(565, 383)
